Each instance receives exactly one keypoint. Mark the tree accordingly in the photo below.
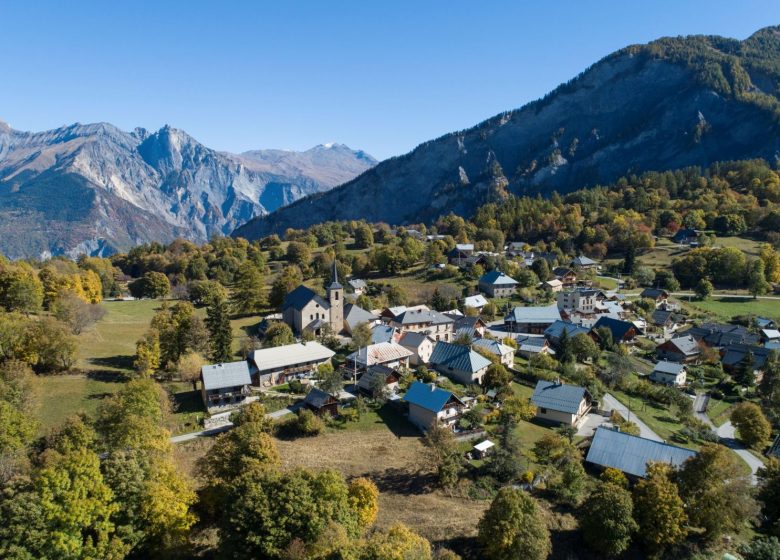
(189, 367)
(752, 426)
(518, 409)
(298, 253)
(442, 454)
(584, 347)
(715, 491)
(497, 377)
(703, 289)
(769, 494)
(554, 449)
(220, 331)
(278, 334)
(329, 380)
(565, 353)
(397, 543)
(614, 476)
(147, 353)
(629, 260)
(364, 499)
(361, 336)
(76, 313)
(20, 289)
(201, 292)
(53, 344)
(151, 285)
(285, 283)
(248, 295)
(364, 236)
(607, 522)
(761, 549)
(756, 279)
(572, 484)
(658, 509)
(513, 527)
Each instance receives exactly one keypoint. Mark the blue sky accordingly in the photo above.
(382, 76)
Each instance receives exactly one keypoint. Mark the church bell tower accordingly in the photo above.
(336, 301)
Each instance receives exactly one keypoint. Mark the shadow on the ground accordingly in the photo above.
(187, 401)
(117, 362)
(401, 481)
(107, 376)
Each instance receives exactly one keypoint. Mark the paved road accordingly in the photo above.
(726, 433)
(608, 402)
(219, 429)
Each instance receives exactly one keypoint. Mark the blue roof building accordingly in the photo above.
(561, 403)
(459, 362)
(429, 404)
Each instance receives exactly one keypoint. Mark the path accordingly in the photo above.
(225, 427)
(610, 403)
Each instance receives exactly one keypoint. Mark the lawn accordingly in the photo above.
(657, 417)
(61, 396)
(719, 411)
(725, 308)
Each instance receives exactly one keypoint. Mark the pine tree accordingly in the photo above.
(220, 331)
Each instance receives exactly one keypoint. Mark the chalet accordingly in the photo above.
(666, 320)
(764, 323)
(768, 335)
(357, 286)
(532, 320)
(497, 284)
(305, 310)
(720, 335)
(384, 353)
(459, 362)
(554, 332)
(669, 373)
(530, 345)
(477, 302)
(321, 403)
(420, 345)
(355, 315)
(560, 403)
(622, 331)
(429, 405)
(659, 296)
(584, 263)
(735, 357)
(225, 386)
(566, 275)
(683, 349)
(384, 333)
(553, 285)
(472, 326)
(378, 377)
(686, 236)
(433, 323)
(516, 248)
(480, 258)
(275, 366)
(631, 454)
(504, 353)
(460, 253)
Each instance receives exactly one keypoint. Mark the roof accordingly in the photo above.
(334, 285)
(412, 339)
(772, 345)
(355, 315)
(497, 278)
(670, 368)
(318, 398)
(653, 293)
(582, 260)
(559, 396)
(290, 355)
(556, 329)
(618, 328)
(735, 354)
(382, 333)
(770, 334)
(484, 445)
(464, 246)
(378, 371)
(686, 344)
(475, 301)
(302, 295)
(428, 397)
(379, 353)
(458, 357)
(417, 316)
(530, 343)
(493, 346)
(222, 376)
(631, 454)
(764, 323)
(554, 283)
(720, 334)
(662, 317)
(357, 283)
(547, 314)
(562, 271)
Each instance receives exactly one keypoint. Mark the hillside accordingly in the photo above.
(97, 189)
(672, 103)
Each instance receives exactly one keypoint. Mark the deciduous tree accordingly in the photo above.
(513, 527)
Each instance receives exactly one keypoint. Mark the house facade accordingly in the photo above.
(683, 349)
(497, 284)
(504, 353)
(225, 386)
(560, 403)
(459, 362)
(421, 346)
(275, 366)
(429, 405)
(669, 373)
(436, 325)
(532, 320)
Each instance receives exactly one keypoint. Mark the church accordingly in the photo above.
(305, 310)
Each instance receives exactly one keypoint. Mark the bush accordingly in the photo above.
(308, 424)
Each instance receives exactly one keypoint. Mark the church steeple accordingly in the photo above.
(335, 278)
(336, 301)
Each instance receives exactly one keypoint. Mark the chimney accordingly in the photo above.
(433, 387)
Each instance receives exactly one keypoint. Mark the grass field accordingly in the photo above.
(657, 417)
(725, 308)
(60, 396)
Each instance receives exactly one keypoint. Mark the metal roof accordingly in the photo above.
(493, 346)
(558, 396)
(458, 357)
(686, 344)
(318, 398)
(475, 301)
(355, 315)
(671, 368)
(556, 329)
(631, 454)
(582, 260)
(497, 278)
(379, 353)
(546, 314)
(300, 296)
(289, 355)
(222, 376)
(366, 380)
(484, 445)
(382, 333)
(429, 397)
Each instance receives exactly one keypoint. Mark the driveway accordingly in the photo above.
(228, 425)
(610, 403)
(728, 437)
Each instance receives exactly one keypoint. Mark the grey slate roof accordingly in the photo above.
(670, 368)
(417, 316)
(354, 315)
(631, 454)
(493, 346)
(300, 296)
(497, 278)
(558, 396)
(653, 293)
(582, 260)
(686, 344)
(735, 354)
(720, 335)
(412, 339)
(317, 398)
(358, 284)
(458, 357)
(222, 376)
(555, 331)
(534, 315)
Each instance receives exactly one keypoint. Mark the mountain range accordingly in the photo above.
(671, 103)
(97, 189)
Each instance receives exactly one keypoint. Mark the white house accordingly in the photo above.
(669, 373)
(505, 354)
(560, 403)
(429, 405)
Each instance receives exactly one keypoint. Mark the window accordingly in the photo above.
(337, 296)
(543, 410)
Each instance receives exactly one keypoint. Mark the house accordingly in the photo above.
(420, 345)
(433, 323)
(516, 248)
(483, 449)
(735, 357)
(460, 253)
(669, 373)
(566, 275)
(630, 454)
(275, 366)
(355, 315)
(683, 349)
(622, 331)
(459, 362)
(480, 258)
(554, 332)
(385, 353)
(533, 320)
(530, 345)
(657, 295)
(384, 333)
(497, 284)
(664, 319)
(429, 405)
(768, 335)
(579, 300)
(477, 302)
(357, 286)
(305, 310)
(584, 263)
(553, 285)
(378, 376)
(321, 403)
(471, 326)
(764, 323)
(720, 335)
(560, 403)
(686, 236)
(504, 353)
(225, 386)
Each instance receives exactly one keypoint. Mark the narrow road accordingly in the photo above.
(610, 403)
(727, 436)
(225, 427)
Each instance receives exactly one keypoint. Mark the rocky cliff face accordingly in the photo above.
(669, 104)
(97, 189)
